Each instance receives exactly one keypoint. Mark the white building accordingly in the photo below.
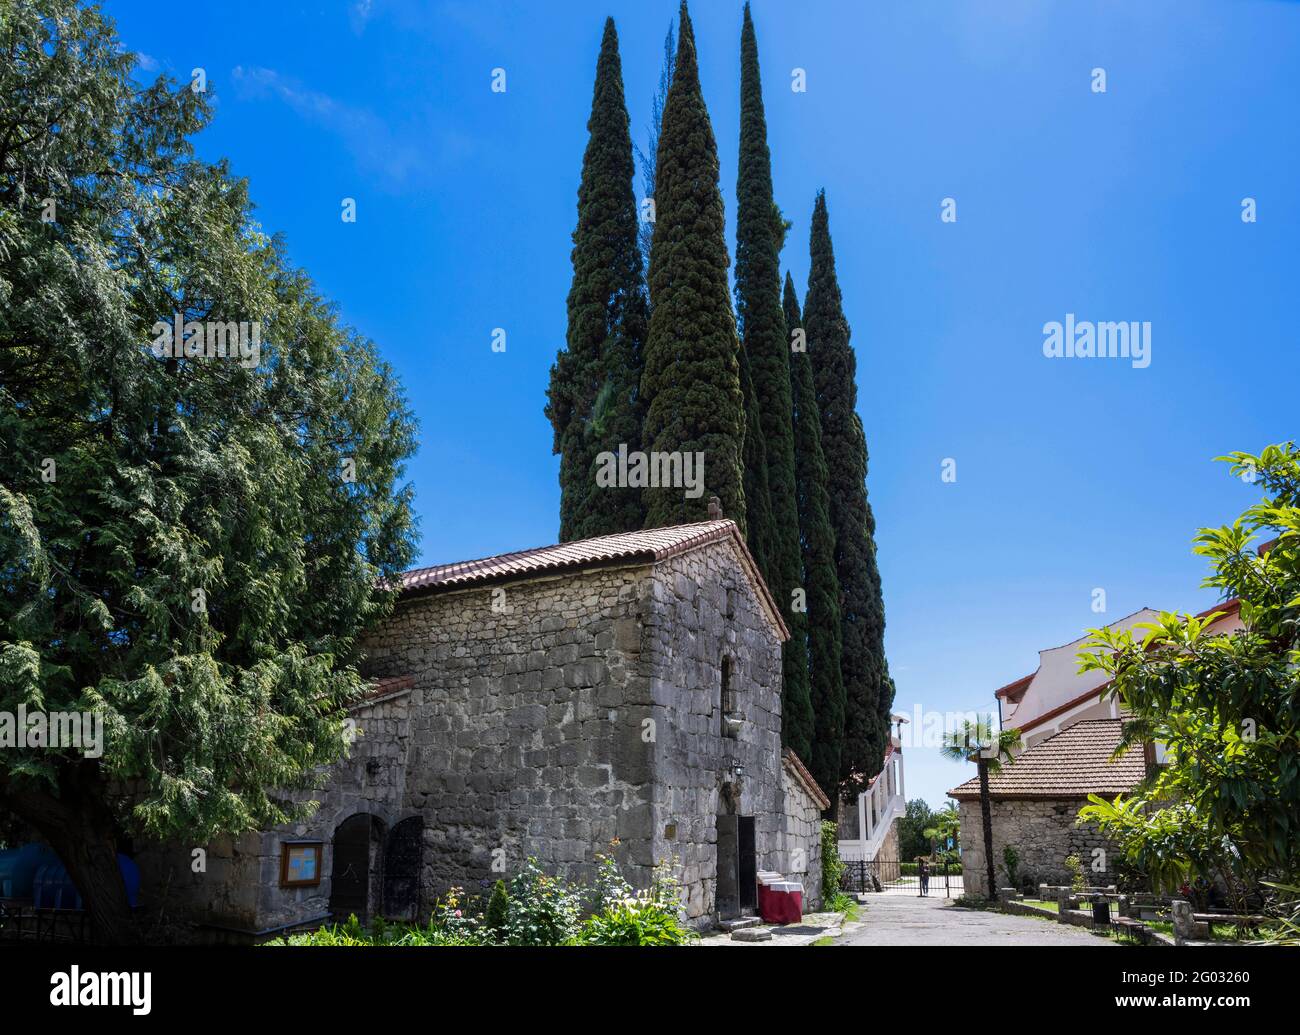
(1058, 695)
(868, 827)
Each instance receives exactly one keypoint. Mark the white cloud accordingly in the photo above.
(375, 146)
(359, 14)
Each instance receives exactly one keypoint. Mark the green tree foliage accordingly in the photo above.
(818, 720)
(868, 690)
(760, 233)
(691, 382)
(188, 546)
(942, 835)
(758, 501)
(594, 396)
(646, 159)
(912, 825)
(1226, 705)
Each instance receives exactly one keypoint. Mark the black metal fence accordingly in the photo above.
(890, 876)
(20, 921)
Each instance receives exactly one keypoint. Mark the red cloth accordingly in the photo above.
(780, 907)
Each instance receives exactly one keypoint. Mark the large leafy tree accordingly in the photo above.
(912, 826)
(760, 233)
(814, 722)
(188, 546)
(594, 397)
(990, 749)
(691, 383)
(1225, 704)
(868, 690)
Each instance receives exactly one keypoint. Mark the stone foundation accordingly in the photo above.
(1043, 832)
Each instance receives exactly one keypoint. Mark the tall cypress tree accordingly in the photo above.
(758, 501)
(820, 582)
(868, 691)
(593, 401)
(691, 382)
(774, 522)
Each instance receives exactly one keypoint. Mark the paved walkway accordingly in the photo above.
(910, 920)
(813, 927)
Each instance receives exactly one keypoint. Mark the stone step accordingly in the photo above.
(739, 923)
(752, 934)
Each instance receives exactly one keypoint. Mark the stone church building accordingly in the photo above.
(622, 691)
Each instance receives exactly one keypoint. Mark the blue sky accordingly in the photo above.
(1071, 474)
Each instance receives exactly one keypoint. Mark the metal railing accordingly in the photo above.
(889, 876)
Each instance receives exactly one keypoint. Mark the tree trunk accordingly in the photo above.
(77, 824)
(986, 818)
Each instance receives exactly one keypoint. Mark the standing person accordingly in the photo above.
(924, 871)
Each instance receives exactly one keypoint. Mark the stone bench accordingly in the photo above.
(1190, 926)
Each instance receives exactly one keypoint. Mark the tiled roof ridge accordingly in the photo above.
(802, 774)
(1067, 764)
(647, 545)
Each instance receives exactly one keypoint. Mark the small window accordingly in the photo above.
(728, 700)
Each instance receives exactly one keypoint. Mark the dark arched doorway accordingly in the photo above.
(402, 858)
(357, 841)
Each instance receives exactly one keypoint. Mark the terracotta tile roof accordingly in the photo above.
(795, 764)
(646, 546)
(385, 687)
(1072, 764)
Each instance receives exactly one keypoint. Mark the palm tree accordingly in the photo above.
(945, 829)
(978, 742)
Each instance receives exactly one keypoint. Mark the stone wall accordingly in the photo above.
(238, 886)
(803, 840)
(889, 844)
(703, 609)
(527, 713)
(557, 717)
(1044, 833)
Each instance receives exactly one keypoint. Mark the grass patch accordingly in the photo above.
(1042, 903)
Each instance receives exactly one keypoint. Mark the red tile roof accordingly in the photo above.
(1072, 764)
(385, 687)
(795, 764)
(1011, 688)
(647, 546)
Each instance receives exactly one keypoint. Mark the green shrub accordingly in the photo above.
(498, 910)
(536, 910)
(1011, 862)
(628, 917)
(635, 923)
(1074, 865)
(542, 910)
(936, 869)
(832, 868)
